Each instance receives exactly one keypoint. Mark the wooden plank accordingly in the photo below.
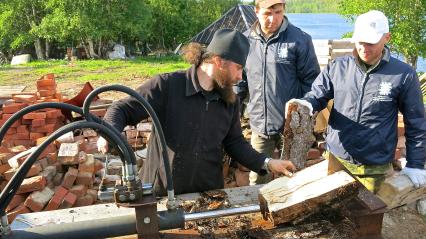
(7, 91)
(286, 199)
(340, 52)
(398, 190)
(342, 44)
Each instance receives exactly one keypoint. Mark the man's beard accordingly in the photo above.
(220, 79)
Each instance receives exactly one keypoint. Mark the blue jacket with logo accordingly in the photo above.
(277, 70)
(363, 121)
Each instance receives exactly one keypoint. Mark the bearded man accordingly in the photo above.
(199, 113)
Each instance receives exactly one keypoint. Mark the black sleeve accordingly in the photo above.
(239, 149)
(129, 111)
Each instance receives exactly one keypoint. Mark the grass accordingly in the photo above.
(101, 71)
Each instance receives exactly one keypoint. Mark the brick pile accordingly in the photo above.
(400, 152)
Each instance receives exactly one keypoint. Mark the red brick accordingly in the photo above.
(41, 140)
(16, 200)
(52, 158)
(68, 153)
(13, 108)
(88, 165)
(38, 122)
(57, 179)
(57, 199)
(47, 91)
(79, 190)
(34, 170)
(45, 82)
(401, 130)
(35, 136)
(11, 130)
(18, 149)
(24, 142)
(70, 177)
(37, 200)
(32, 184)
(4, 168)
(22, 129)
(313, 154)
(85, 178)
(85, 200)
(35, 115)
(25, 97)
(21, 209)
(49, 173)
(47, 128)
(54, 113)
(69, 200)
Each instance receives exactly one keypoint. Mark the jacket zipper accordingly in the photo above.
(265, 51)
(207, 105)
(362, 96)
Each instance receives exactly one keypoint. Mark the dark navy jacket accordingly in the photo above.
(363, 121)
(277, 70)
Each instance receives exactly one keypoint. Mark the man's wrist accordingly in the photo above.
(266, 164)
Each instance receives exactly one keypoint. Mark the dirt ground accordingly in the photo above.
(399, 223)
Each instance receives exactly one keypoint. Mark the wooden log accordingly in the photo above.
(286, 199)
(398, 190)
(298, 134)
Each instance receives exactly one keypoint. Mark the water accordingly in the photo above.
(330, 26)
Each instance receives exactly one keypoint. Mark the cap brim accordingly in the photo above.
(270, 3)
(366, 37)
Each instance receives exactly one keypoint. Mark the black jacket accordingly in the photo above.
(197, 130)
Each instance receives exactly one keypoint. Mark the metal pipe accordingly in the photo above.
(222, 213)
(122, 225)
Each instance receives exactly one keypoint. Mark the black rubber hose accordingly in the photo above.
(13, 185)
(33, 108)
(55, 105)
(159, 131)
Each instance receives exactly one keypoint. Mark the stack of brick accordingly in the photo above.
(138, 136)
(34, 125)
(400, 152)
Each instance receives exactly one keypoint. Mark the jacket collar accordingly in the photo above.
(193, 85)
(385, 59)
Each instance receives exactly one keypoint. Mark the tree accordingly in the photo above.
(406, 19)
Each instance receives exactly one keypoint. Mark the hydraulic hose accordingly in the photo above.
(159, 131)
(13, 185)
(57, 105)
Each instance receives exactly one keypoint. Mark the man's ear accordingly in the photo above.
(217, 61)
(387, 37)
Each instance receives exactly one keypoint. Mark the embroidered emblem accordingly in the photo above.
(283, 52)
(385, 88)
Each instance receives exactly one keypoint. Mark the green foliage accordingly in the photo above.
(312, 6)
(406, 19)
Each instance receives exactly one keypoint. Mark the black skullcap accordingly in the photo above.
(230, 45)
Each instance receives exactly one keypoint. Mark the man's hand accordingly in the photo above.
(279, 167)
(102, 145)
(416, 175)
(299, 102)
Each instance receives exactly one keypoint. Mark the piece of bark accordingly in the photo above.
(298, 135)
(287, 199)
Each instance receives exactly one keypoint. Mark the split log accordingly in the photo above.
(298, 135)
(398, 190)
(286, 199)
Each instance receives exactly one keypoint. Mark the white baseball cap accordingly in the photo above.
(370, 27)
